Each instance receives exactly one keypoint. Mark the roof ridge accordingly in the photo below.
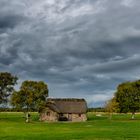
(66, 99)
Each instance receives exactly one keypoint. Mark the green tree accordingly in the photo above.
(7, 82)
(128, 97)
(111, 106)
(32, 95)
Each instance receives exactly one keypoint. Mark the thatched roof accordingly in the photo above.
(67, 105)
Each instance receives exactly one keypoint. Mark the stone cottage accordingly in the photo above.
(68, 109)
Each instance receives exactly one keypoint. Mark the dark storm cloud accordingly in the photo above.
(80, 48)
(9, 21)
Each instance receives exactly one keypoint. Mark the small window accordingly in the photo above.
(79, 115)
(48, 113)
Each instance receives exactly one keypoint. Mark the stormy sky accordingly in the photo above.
(80, 48)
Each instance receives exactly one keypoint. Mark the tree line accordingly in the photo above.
(126, 99)
(31, 96)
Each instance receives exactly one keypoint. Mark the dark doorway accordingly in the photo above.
(62, 117)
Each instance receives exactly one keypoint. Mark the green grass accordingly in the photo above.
(121, 127)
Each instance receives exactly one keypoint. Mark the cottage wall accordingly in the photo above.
(49, 115)
(79, 117)
(76, 117)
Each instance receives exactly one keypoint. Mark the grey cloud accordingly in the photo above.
(9, 21)
(80, 48)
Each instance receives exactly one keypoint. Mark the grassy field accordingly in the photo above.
(13, 127)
